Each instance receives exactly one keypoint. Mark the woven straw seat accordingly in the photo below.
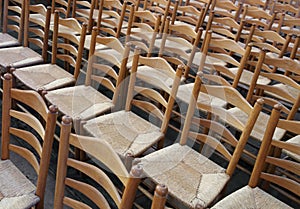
(7, 40)
(19, 57)
(248, 197)
(16, 191)
(194, 184)
(125, 132)
(80, 101)
(260, 125)
(45, 76)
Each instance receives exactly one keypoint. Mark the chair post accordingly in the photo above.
(131, 187)
(6, 105)
(265, 146)
(62, 161)
(244, 137)
(160, 197)
(46, 154)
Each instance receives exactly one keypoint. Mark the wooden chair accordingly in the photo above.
(261, 18)
(113, 17)
(64, 7)
(105, 172)
(86, 11)
(104, 154)
(193, 179)
(179, 45)
(282, 88)
(188, 14)
(252, 195)
(130, 133)
(236, 58)
(142, 30)
(93, 98)
(288, 9)
(288, 25)
(275, 44)
(226, 8)
(199, 4)
(111, 20)
(265, 5)
(21, 56)
(32, 141)
(161, 7)
(69, 51)
(12, 21)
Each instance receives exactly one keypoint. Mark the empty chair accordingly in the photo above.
(13, 21)
(236, 58)
(161, 7)
(104, 168)
(104, 155)
(102, 79)
(288, 25)
(188, 14)
(193, 179)
(252, 195)
(30, 139)
(258, 16)
(21, 56)
(179, 45)
(142, 30)
(227, 8)
(66, 48)
(128, 132)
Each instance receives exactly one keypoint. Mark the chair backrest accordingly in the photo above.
(227, 27)
(258, 3)
(184, 35)
(64, 7)
(13, 17)
(288, 25)
(160, 7)
(188, 14)
(200, 4)
(142, 30)
(227, 8)
(158, 92)
(277, 163)
(260, 17)
(35, 148)
(288, 9)
(287, 88)
(233, 54)
(37, 29)
(112, 16)
(107, 70)
(104, 156)
(271, 41)
(214, 133)
(85, 11)
(72, 45)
